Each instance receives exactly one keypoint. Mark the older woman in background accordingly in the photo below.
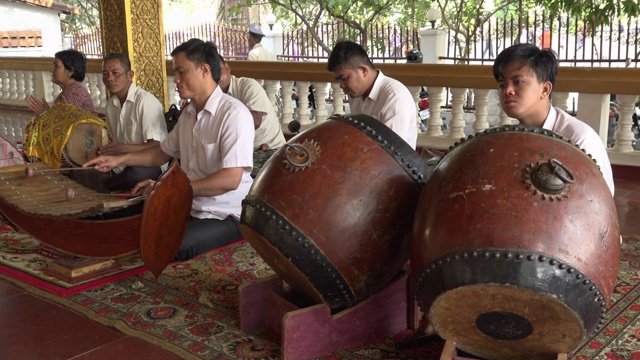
(68, 73)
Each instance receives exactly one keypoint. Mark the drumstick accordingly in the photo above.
(29, 171)
(71, 194)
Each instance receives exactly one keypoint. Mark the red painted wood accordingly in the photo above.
(252, 302)
(312, 331)
(164, 218)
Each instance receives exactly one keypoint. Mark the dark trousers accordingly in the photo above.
(130, 176)
(203, 235)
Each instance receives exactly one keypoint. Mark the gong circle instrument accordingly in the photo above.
(516, 245)
(331, 211)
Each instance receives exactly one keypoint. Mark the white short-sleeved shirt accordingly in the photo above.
(582, 135)
(139, 119)
(250, 93)
(260, 53)
(391, 103)
(219, 136)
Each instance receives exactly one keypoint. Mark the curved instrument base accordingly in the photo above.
(80, 237)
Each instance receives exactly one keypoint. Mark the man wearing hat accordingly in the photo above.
(258, 52)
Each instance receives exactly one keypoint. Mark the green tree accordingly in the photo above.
(357, 15)
(89, 17)
(464, 18)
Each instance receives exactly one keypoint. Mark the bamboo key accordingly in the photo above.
(131, 197)
(29, 171)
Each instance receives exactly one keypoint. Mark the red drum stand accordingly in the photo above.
(312, 331)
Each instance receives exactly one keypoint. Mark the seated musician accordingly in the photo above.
(526, 75)
(265, 121)
(371, 92)
(135, 118)
(213, 140)
(68, 72)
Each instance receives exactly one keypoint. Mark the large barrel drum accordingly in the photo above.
(331, 211)
(515, 247)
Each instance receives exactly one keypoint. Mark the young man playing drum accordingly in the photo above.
(213, 140)
(526, 75)
(135, 118)
(371, 92)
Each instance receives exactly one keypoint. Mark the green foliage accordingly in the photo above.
(599, 11)
(89, 17)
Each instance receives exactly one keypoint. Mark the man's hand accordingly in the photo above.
(113, 148)
(103, 163)
(143, 187)
(36, 105)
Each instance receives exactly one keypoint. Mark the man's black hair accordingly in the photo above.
(543, 62)
(257, 37)
(123, 58)
(74, 61)
(349, 54)
(200, 52)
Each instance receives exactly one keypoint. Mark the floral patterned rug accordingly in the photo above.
(23, 258)
(192, 310)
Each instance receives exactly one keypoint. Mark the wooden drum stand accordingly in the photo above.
(312, 331)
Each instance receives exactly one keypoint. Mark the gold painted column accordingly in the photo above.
(135, 27)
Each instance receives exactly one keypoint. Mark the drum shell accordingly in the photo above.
(347, 216)
(478, 209)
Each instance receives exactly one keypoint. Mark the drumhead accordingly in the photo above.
(83, 143)
(496, 321)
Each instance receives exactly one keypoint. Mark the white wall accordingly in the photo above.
(14, 16)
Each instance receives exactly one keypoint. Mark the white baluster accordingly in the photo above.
(624, 135)
(457, 113)
(304, 114)
(287, 110)
(103, 92)
(271, 88)
(42, 85)
(505, 119)
(172, 94)
(92, 81)
(4, 84)
(436, 98)
(28, 83)
(13, 85)
(321, 93)
(559, 99)
(20, 84)
(415, 93)
(54, 90)
(482, 104)
(338, 96)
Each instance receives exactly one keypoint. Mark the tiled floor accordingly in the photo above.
(33, 328)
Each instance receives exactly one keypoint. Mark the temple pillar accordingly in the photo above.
(136, 28)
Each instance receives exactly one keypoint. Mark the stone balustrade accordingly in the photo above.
(462, 97)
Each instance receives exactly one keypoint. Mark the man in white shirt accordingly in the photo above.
(258, 52)
(371, 92)
(213, 140)
(135, 118)
(268, 130)
(526, 75)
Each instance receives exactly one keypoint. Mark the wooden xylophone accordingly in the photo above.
(90, 224)
(44, 194)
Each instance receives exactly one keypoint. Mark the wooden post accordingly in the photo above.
(136, 28)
